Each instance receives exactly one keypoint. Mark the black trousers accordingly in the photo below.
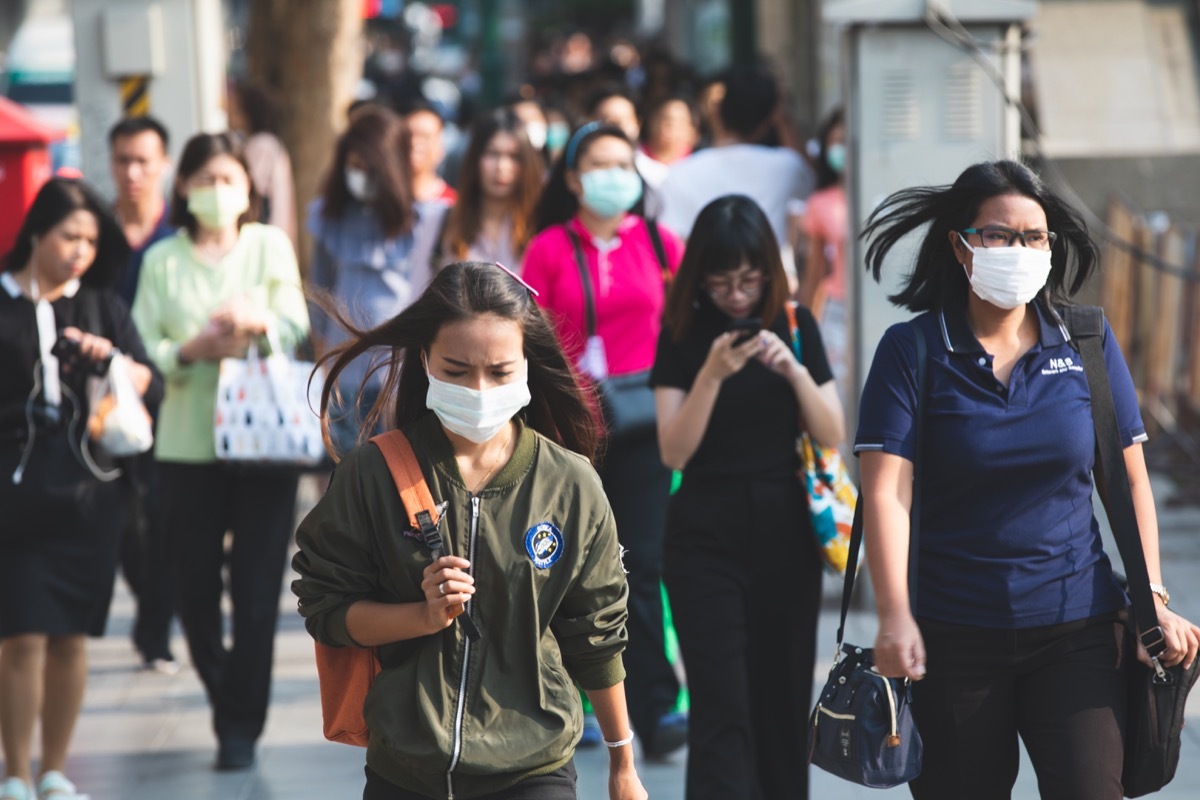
(558, 785)
(147, 557)
(1060, 688)
(638, 488)
(744, 577)
(201, 502)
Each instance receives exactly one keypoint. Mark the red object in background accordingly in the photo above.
(371, 8)
(447, 13)
(24, 166)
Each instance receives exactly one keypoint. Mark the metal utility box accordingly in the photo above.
(919, 109)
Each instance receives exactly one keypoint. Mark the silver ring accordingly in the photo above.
(442, 587)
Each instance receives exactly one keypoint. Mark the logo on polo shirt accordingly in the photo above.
(544, 544)
(1058, 366)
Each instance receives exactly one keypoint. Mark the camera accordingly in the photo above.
(68, 354)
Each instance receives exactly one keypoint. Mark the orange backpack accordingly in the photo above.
(346, 673)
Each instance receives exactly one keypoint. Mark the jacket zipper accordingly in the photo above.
(460, 706)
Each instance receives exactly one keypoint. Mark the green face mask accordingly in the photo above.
(218, 207)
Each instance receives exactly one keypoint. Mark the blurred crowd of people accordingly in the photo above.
(643, 210)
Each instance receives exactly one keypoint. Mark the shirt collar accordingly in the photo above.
(959, 338)
(14, 289)
(628, 223)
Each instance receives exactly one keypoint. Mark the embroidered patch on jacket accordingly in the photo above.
(544, 544)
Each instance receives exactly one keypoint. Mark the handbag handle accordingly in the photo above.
(914, 525)
(1086, 326)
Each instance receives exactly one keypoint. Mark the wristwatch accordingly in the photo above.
(1162, 592)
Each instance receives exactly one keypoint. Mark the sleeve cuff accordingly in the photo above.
(331, 630)
(599, 676)
(895, 447)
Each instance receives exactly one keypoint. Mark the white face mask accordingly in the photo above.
(1007, 277)
(537, 132)
(475, 414)
(359, 184)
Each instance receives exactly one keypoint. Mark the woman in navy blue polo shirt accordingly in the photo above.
(1018, 625)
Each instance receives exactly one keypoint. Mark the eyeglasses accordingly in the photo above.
(750, 285)
(517, 278)
(997, 236)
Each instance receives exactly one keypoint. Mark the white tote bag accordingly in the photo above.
(267, 409)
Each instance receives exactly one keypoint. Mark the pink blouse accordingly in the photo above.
(627, 285)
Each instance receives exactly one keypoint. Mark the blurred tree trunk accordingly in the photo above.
(310, 53)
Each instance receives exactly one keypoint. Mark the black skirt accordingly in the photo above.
(60, 533)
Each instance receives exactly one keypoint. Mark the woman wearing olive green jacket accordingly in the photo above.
(492, 409)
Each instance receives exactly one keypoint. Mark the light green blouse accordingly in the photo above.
(176, 295)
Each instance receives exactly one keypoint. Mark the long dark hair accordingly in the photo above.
(559, 408)
(58, 199)
(826, 176)
(729, 231)
(558, 203)
(466, 218)
(197, 152)
(936, 281)
(380, 138)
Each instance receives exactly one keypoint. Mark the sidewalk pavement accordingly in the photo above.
(146, 736)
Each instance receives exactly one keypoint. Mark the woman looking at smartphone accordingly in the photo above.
(728, 417)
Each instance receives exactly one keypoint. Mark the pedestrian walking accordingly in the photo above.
(428, 150)
(372, 244)
(59, 542)
(601, 271)
(204, 294)
(1018, 629)
(500, 180)
(743, 158)
(826, 225)
(139, 161)
(732, 400)
(482, 391)
(254, 112)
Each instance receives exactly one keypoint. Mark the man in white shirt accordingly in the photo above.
(738, 164)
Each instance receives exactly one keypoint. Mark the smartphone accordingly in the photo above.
(746, 329)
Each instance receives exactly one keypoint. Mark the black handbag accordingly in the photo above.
(1158, 694)
(862, 728)
(626, 401)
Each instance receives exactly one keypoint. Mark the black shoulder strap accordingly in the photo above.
(1086, 326)
(660, 252)
(439, 244)
(585, 278)
(914, 525)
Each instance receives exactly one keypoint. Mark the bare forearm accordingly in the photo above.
(613, 716)
(371, 623)
(1143, 509)
(680, 435)
(820, 408)
(887, 498)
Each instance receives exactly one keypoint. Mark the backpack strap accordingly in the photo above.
(410, 481)
(418, 502)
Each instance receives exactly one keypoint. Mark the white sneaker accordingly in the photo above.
(15, 789)
(53, 785)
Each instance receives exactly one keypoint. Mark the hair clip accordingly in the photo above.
(517, 278)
